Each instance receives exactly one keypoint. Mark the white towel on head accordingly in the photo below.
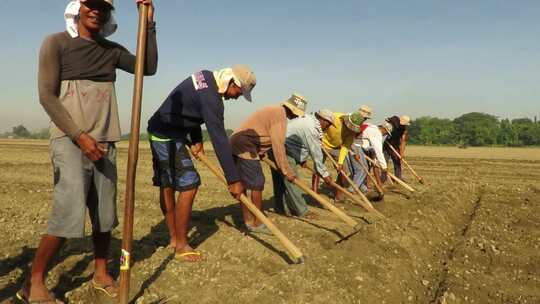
(223, 77)
(71, 16)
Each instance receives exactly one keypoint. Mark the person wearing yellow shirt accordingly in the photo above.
(338, 138)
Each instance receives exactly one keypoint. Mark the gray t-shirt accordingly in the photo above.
(76, 83)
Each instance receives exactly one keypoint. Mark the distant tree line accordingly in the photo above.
(471, 129)
(474, 129)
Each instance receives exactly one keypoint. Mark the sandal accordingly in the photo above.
(182, 256)
(262, 229)
(111, 290)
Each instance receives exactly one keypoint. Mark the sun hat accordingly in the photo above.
(247, 79)
(297, 104)
(405, 120)
(388, 127)
(365, 111)
(354, 121)
(326, 115)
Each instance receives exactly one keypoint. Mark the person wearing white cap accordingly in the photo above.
(303, 140)
(397, 139)
(175, 127)
(76, 84)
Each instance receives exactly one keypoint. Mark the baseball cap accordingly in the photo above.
(247, 79)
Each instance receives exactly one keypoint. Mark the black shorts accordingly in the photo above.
(250, 172)
(173, 167)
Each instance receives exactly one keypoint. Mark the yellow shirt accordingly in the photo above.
(339, 137)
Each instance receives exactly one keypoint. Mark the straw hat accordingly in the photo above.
(405, 120)
(326, 115)
(365, 111)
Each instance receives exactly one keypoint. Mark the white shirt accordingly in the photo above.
(372, 139)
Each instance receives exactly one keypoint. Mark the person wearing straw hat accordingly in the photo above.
(76, 84)
(371, 143)
(261, 132)
(175, 127)
(397, 139)
(304, 139)
(338, 140)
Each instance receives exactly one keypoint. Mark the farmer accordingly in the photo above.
(338, 139)
(304, 139)
(175, 127)
(77, 71)
(263, 130)
(371, 144)
(398, 140)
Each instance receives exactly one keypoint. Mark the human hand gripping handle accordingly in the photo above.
(197, 148)
(150, 4)
(90, 147)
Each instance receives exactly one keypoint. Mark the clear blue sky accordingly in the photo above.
(438, 58)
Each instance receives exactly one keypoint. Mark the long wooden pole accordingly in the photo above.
(392, 176)
(364, 202)
(355, 187)
(420, 179)
(297, 255)
(347, 219)
(133, 154)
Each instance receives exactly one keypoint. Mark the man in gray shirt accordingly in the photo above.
(304, 135)
(77, 71)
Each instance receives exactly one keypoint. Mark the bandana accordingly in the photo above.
(71, 16)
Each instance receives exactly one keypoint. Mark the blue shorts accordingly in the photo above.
(173, 167)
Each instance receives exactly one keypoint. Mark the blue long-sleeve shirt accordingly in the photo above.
(304, 138)
(193, 102)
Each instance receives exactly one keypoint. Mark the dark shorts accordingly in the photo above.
(173, 167)
(250, 172)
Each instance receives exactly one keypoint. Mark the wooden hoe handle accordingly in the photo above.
(347, 219)
(291, 248)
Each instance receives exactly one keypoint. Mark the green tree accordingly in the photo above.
(432, 131)
(477, 129)
(21, 131)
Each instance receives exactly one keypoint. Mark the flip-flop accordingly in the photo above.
(262, 229)
(23, 298)
(181, 256)
(111, 290)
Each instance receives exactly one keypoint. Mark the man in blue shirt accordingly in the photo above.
(304, 139)
(177, 124)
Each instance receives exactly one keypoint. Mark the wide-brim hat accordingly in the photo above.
(326, 115)
(297, 104)
(388, 127)
(354, 121)
(365, 111)
(405, 120)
